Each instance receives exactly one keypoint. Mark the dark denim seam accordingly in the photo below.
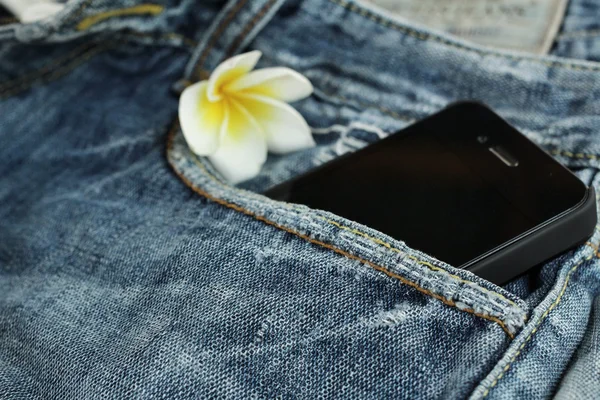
(386, 23)
(140, 9)
(58, 68)
(236, 42)
(417, 260)
(555, 303)
(238, 208)
(215, 36)
(48, 73)
(200, 73)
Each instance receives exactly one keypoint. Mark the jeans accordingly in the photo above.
(130, 269)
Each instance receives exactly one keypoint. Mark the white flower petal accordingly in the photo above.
(32, 10)
(229, 70)
(281, 83)
(285, 129)
(41, 11)
(200, 119)
(243, 149)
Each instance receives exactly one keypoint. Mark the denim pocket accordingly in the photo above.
(342, 125)
(456, 288)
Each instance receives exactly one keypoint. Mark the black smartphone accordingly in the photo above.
(462, 185)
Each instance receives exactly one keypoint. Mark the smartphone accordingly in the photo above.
(463, 186)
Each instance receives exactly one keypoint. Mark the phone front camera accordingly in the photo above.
(482, 139)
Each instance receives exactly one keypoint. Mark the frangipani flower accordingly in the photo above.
(238, 114)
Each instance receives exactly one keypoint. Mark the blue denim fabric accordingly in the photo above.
(130, 269)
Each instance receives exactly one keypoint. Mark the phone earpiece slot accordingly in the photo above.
(504, 156)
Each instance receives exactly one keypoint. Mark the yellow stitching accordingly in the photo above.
(417, 260)
(151, 9)
(574, 155)
(426, 36)
(187, 182)
(554, 304)
(595, 248)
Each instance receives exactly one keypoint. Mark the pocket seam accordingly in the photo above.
(416, 259)
(461, 307)
(541, 320)
(240, 37)
(212, 41)
(579, 156)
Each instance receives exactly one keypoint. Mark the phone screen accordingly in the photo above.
(438, 187)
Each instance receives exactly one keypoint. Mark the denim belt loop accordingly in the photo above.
(234, 27)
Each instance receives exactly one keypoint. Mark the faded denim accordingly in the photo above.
(129, 269)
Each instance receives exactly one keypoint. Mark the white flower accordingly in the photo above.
(32, 10)
(238, 114)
